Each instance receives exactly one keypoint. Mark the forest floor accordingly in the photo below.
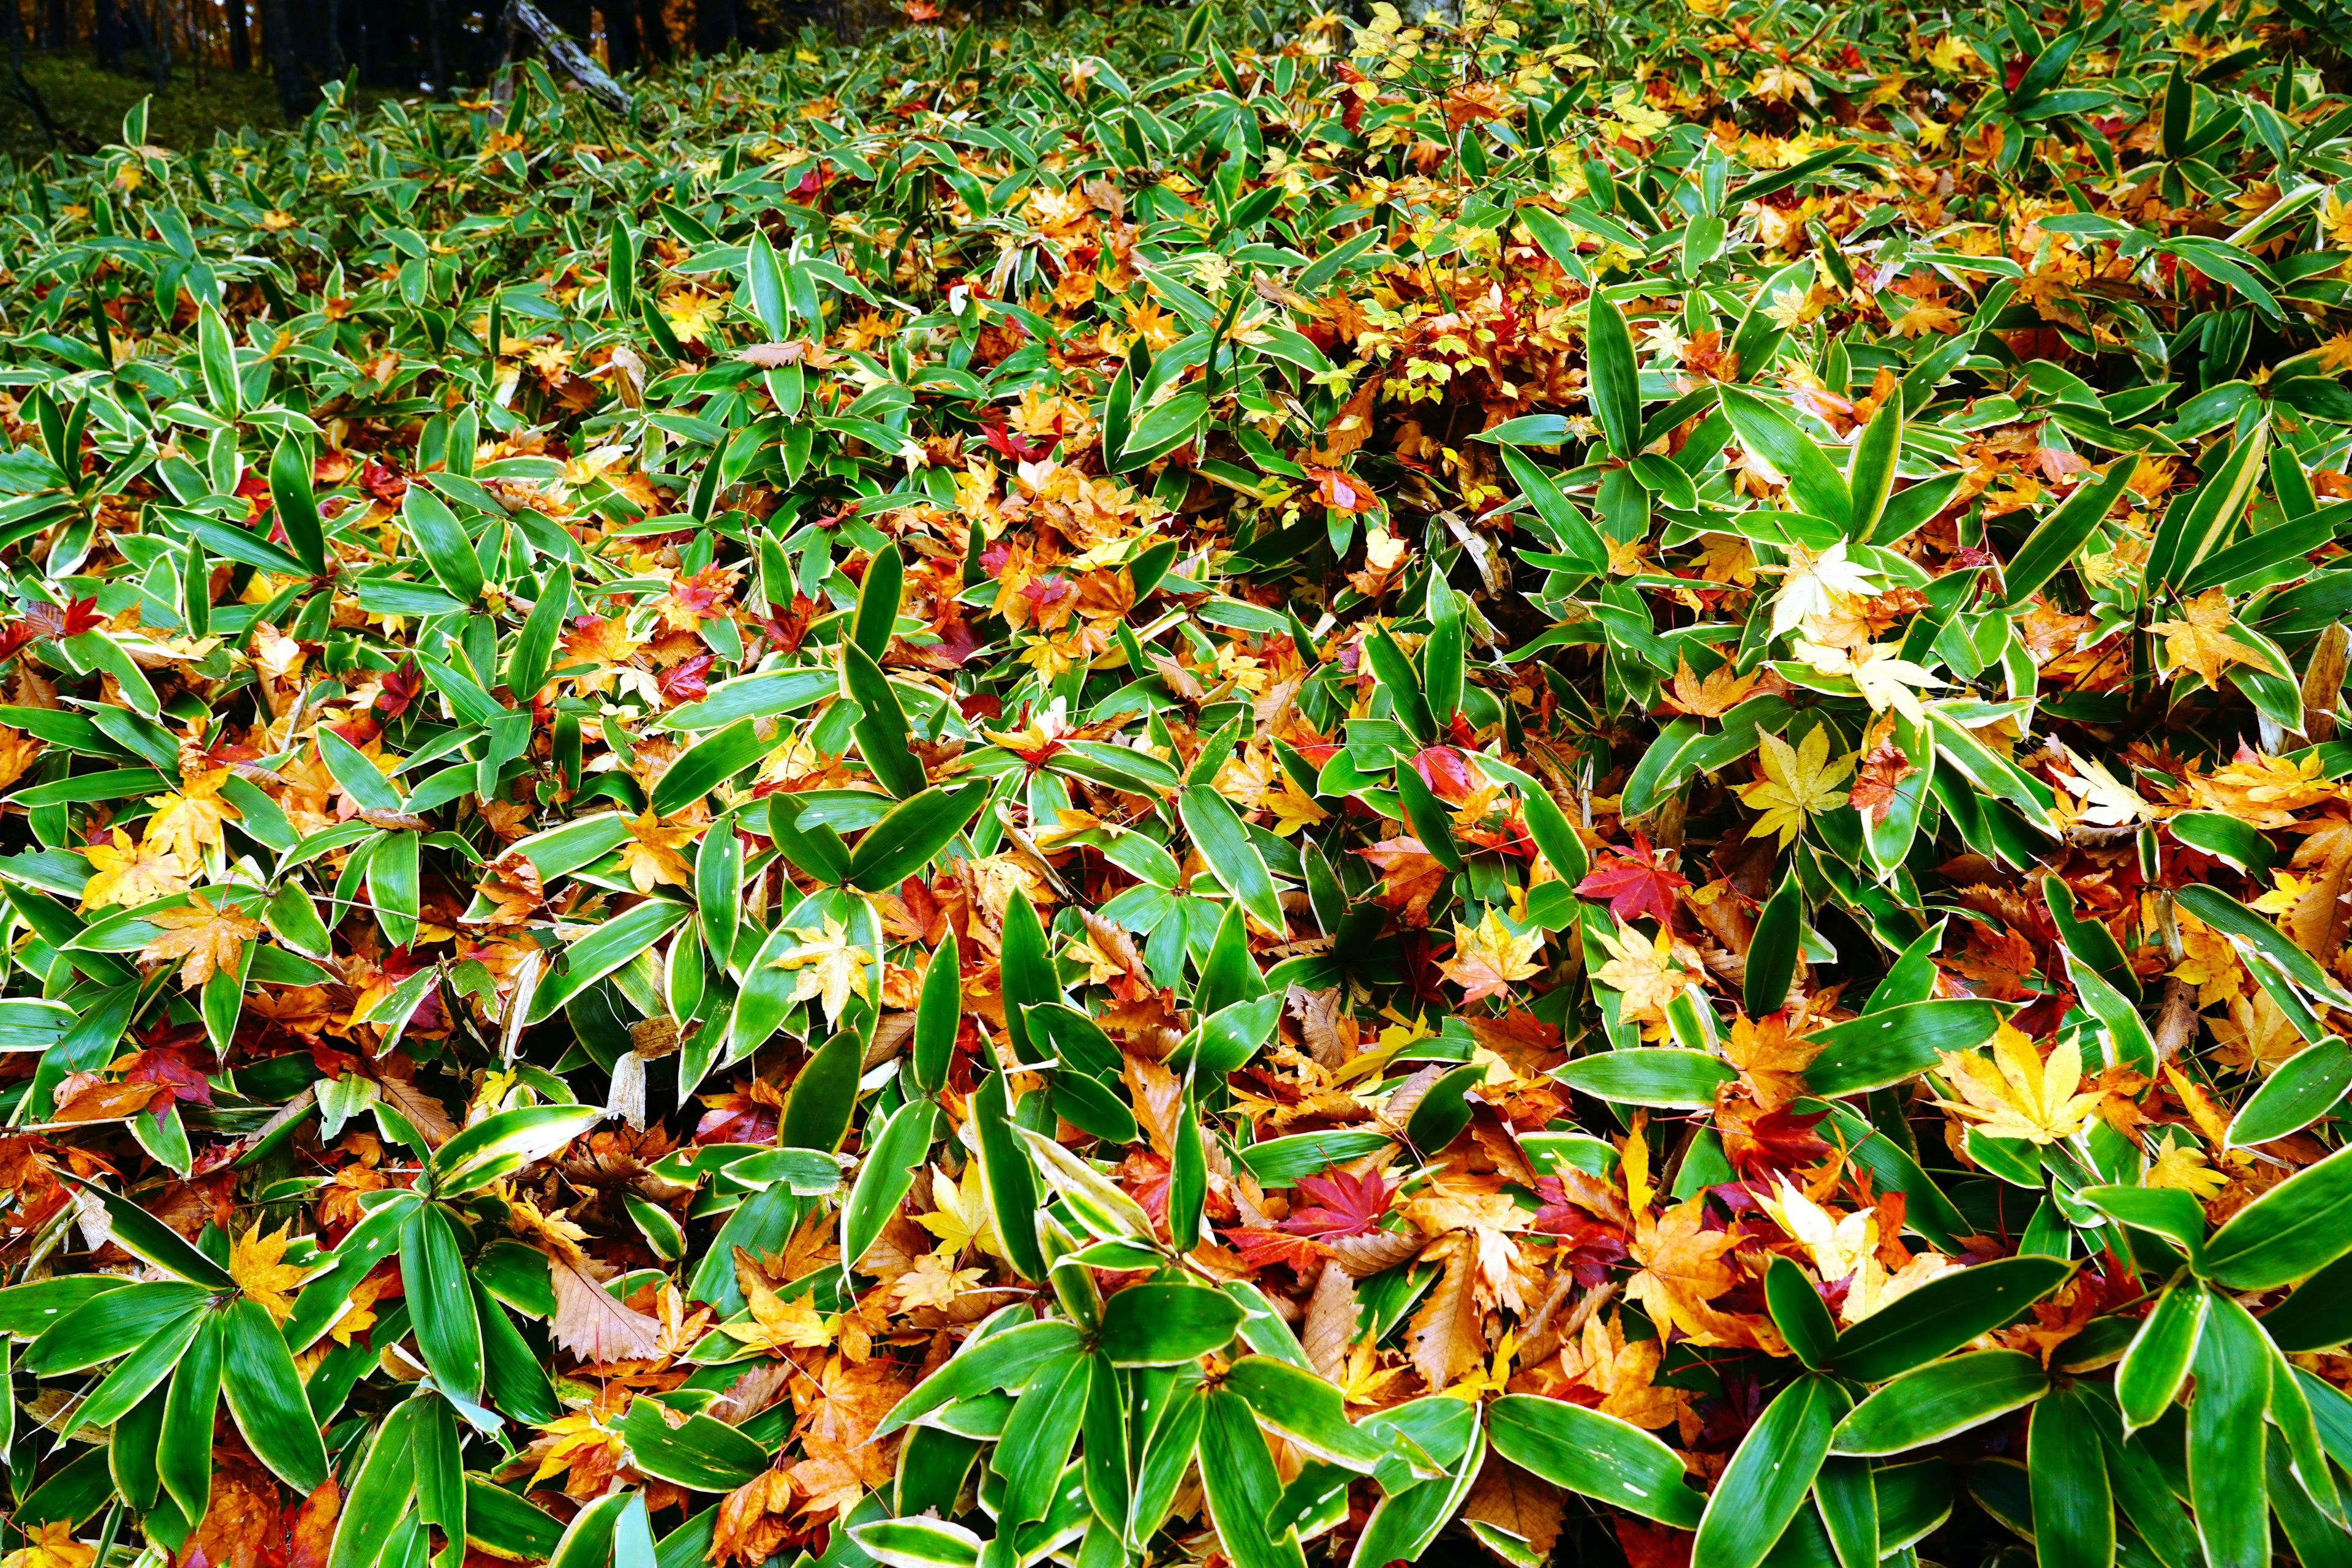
(87, 99)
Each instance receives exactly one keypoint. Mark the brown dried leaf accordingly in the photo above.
(1446, 1336)
(588, 1322)
(1330, 1325)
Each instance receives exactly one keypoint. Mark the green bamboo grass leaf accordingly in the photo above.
(886, 1175)
(703, 766)
(2192, 529)
(1242, 1488)
(1769, 1475)
(1163, 1325)
(881, 727)
(1943, 1315)
(265, 1395)
(2060, 537)
(2073, 1504)
(2227, 1490)
(2294, 1229)
(2161, 1354)
(764, 281)
(141, 1371)
(911, 836)
(1006, 1358)
(2303, 1088)
(1940, 1400)
(1815, 486)
(1845, 1494)
(1604, 1458)
(1798, 1311)
(184, 1449)
(918, 1543)
(823, 1100)
(296, 507)
(1870, 471)
(380, 1492)
(1572, 532)
(1217, 832)
(503, 1142)
(217, 362)
(1772, 951)
(938, 1015)
(440, 1304)
(1616, 380)
(1011, 1183)
(442, 539)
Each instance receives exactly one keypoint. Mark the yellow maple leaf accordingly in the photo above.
(2201, 640)
(934, 1281)
(1811, 583)
(1682, 1264)
(51, 1545)
(1800, 782)
(18, 753)
(1771, 1063)
(206, 939)
(258, 1263)
(1255, 780)
(776, 1324)
(691, 315)
(830, 969)
(576, 1436)
(2014, 1094)
(1488, 956)
(960, 1215)
(650, 855)
(2182, 1164)
(1722, 690)
(1643, 969)
(126, 873)
(188, 820)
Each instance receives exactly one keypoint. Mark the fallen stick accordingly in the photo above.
(525, 20)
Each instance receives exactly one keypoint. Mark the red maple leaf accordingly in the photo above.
(169, 1068)
(1776, 1141)
(1259, 1247)
(1338, 1204)
(1447, 774)
(1018, 449)
(399, 690)
(684, 682)
(46, 620)
(1635, 882)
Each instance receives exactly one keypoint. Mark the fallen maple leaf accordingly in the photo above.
(125, 873)
(1682, 1266)
(831, 969)
(1635, 882)
(2015, 1093)
(1800, 782)
(1338, 1204)
(206, 939)
(1489, 956)
(258, 1263)
(2201, 640)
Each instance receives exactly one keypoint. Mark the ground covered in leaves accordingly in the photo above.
(1221, 787)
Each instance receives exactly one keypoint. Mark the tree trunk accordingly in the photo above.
(435, 64)
(622, 50)
(105, 34)
(652, 29)
(715, 25)
(240, 39)
(295, 94)
(527, 24)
